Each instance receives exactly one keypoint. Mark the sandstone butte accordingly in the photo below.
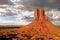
(40, 29)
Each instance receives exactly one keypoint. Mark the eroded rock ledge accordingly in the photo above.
(40, 29)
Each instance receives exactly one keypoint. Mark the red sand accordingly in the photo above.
(40, 29)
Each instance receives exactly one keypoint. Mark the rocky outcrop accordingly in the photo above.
(40, 29)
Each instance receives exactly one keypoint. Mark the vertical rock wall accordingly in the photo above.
(40, 29)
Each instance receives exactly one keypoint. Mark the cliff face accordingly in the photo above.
(40, 29)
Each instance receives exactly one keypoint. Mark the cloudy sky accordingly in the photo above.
(20, 12)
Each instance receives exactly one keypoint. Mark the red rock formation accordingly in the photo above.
(40, 29)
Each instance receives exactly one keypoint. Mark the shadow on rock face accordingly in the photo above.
(3, 38)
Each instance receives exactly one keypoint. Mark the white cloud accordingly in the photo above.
(15, 9)
(2, 10)
(55, 14)
(13, 0)
(21, 22)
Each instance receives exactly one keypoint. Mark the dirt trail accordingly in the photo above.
(40, 29)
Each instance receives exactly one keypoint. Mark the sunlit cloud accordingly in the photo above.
(20, 12)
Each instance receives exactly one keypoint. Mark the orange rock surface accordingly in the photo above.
(40, 29)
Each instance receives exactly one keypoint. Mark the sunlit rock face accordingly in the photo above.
(40, 29)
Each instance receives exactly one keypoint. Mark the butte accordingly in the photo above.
(40, 29)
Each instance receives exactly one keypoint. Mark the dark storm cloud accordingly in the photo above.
(8, 2)
(30, 4)
(41, 3)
